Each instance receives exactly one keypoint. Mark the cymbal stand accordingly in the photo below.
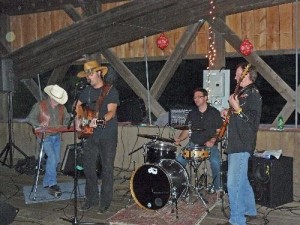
(174, 201)
(128, 191)
(193, 188)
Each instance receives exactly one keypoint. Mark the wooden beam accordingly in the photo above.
(117, 26)
(175, 59)
(58, 74)
(135, 84)
(4, 28)
(34, 89)
(17, 7)
(72, 12)
(220, 60)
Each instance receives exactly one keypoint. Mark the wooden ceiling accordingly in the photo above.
(97, 32)
(21, 7)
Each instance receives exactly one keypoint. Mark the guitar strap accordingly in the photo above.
(105, 90)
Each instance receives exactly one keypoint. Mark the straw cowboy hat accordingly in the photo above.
(57, 93)
(92, 67)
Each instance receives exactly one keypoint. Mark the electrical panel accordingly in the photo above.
(217, 83)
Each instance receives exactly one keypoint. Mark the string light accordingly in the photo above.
(212, 52)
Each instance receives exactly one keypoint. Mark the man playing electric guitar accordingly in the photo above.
(242, 131)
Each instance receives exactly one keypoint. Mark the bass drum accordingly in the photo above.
(152, 186)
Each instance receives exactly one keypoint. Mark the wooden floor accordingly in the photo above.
(63, 212)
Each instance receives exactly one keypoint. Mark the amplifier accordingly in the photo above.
(178, 116)
(68, 164)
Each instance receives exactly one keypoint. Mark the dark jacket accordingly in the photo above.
(243, 127)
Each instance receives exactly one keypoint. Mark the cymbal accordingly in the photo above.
(186, 127)
(156, 137)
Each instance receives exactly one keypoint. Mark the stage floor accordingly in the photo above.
(60, 211)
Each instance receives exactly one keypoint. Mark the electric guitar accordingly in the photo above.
(223, 128)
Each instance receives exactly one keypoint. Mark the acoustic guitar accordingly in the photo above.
(223, 128)
(85, 115)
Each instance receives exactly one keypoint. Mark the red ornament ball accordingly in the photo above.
(246, 47)
(162, 42)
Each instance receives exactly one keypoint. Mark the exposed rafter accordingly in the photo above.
(21, 7)
(117, 26)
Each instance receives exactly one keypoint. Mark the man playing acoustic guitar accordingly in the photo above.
(99, 100)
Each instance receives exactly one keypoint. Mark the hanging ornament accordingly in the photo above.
(246, 47)
(162, 41)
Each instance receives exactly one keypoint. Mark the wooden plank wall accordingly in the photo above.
(270, 28)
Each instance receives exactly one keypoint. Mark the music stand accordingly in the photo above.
(8, 149)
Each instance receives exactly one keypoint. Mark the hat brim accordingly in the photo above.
(83, 74)
(62, 100)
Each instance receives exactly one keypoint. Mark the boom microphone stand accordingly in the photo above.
(74, 220)
(8, 149)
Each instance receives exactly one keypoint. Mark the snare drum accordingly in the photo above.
(196, 153)
(158, 151)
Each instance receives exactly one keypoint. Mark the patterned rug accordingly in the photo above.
(188, 213)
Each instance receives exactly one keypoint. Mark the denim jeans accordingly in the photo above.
(214, 160)
(51, 147)
(240, 192)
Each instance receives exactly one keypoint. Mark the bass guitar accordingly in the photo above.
(223, 128)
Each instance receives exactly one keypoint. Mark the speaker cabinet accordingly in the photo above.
(272, 180)
(68, 164)
(6, 75)
(7, 213)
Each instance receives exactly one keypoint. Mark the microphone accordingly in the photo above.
(71, 120)
(80, 85)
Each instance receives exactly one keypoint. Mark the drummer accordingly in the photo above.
(204, 120)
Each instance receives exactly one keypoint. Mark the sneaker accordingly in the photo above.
(102, 210)
(54, 188)
(55, 191)
(86, 206)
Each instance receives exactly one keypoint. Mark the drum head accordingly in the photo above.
(150, 187)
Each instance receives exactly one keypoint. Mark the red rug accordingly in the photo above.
(187, 213)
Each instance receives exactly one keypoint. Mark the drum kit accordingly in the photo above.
(163, 180)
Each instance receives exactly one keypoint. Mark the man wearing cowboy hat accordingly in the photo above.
(103, 99)
(50, 112)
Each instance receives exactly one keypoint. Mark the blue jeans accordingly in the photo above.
(214, 160)
(240, 192)
(51, 147)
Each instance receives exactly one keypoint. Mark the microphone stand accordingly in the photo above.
(74, 220)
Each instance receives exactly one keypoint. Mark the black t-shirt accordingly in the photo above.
(210, 121)
(89, 96)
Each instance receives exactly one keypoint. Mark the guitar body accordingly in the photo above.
(85, 115)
